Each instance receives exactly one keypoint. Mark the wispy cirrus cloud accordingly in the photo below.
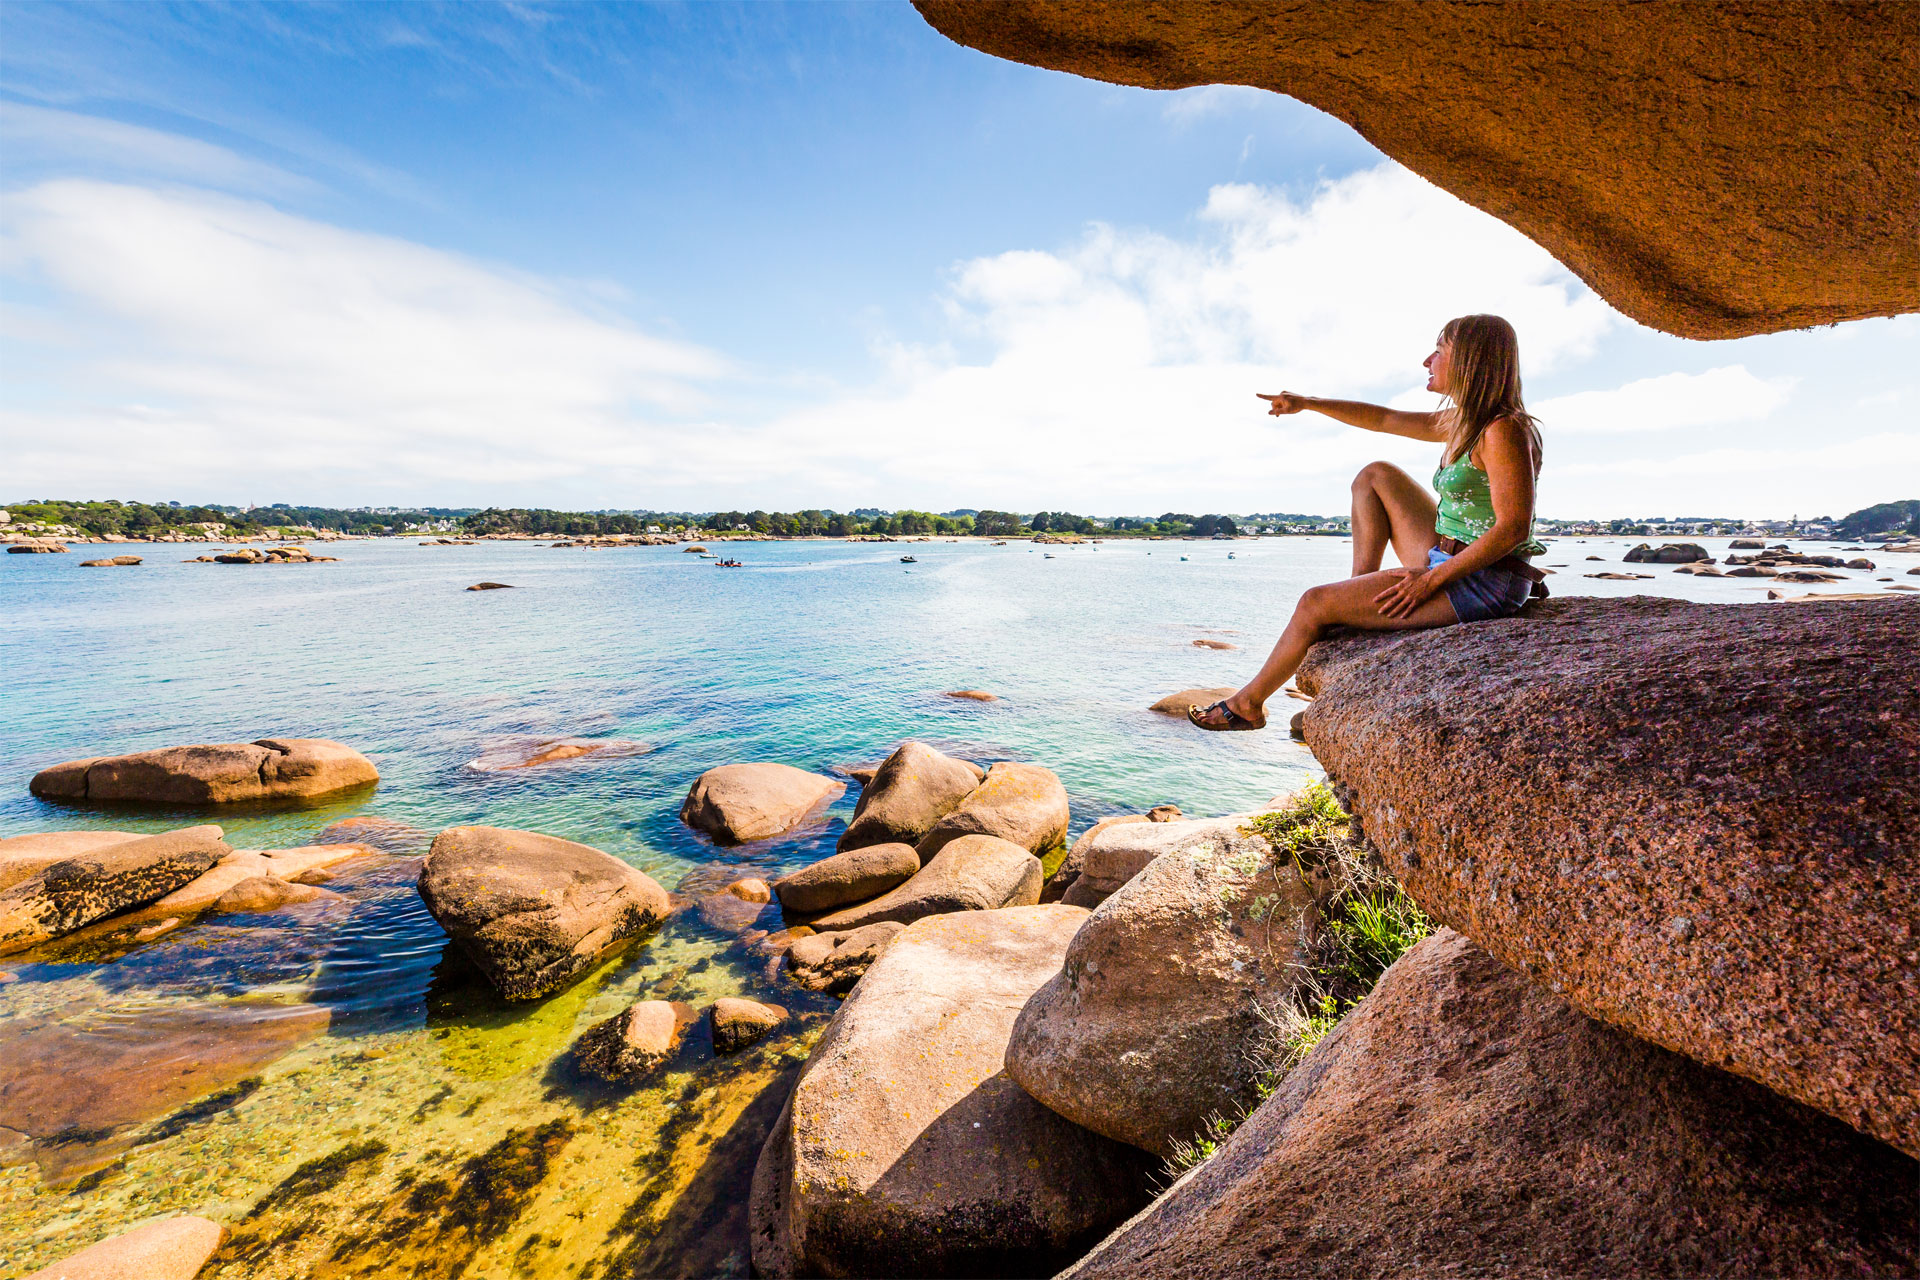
(37, 137)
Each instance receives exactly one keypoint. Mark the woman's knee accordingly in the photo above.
(1372, 476)
(1313, 604)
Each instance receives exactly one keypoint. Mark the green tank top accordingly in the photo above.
(1466, 505)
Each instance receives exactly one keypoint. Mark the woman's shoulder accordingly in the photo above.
(1509, 433)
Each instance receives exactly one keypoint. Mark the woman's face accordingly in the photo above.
(1438, 368)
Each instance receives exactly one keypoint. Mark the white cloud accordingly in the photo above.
(1718, 397)
(1187, 105)
(215, 341)
(224, 341)
(33, 136)
(175, 343)
(1119, 374)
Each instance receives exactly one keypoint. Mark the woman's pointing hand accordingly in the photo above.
(1285, 402)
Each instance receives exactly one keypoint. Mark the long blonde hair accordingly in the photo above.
(1483, 368)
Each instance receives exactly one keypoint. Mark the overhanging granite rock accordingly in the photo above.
(1712, 170)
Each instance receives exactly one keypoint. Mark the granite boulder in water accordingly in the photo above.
(973, 873)
(912, 789)
(851, 876)
(1152, 1023)
(739, 803)
(906, 1151)
(533, 911)
(91, 886)
(1023, 804)
(637, 1041)
(174, 1248)
(834, 961)
(216, 773)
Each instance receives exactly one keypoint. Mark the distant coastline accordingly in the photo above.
(116, 521)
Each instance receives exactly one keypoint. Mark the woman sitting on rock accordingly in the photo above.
(1463, 557)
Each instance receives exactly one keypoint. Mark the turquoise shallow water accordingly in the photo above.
(817, 654)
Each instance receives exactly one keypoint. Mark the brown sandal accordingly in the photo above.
(1236, 723)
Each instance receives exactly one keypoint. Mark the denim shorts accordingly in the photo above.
(1484, 593)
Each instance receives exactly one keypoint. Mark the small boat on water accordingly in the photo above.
(728, 564)
(1229, 555)
(1183, 557)
(908, 560)
(1049, 555)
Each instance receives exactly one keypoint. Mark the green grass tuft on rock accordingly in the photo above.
(1367, 921)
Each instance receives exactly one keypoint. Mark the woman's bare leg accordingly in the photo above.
(1390, 506)
(1348, 603)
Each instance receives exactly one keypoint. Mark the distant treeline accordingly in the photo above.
(1887, 517)
(139, 518)
(837, 524)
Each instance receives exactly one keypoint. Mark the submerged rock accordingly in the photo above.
(1155, 1020)
(531, 753)
(117, 877)
(637, 1041)
(266, 893)
(912, 789)
(246, 864)
(906, 1151)
(832, 962)
(166, 1249)
(738, 803)
(388, 835)
(736, 907)
(1463, 1120)
(1176, 704)
(852, 876)
(1698, 822)
(973, 873)
(532, 911)
(738, 1024)
(217, 773)
(1020, 803)
(78, 1085)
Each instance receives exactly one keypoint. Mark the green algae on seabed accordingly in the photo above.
(484, 1036)
(640, 1183)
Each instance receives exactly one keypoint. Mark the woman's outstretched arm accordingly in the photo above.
(1358, 413)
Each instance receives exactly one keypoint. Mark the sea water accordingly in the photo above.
(337, 1084)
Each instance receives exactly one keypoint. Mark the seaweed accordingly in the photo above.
(205, 1109)
(323, 1173)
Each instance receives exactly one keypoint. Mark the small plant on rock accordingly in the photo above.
(1367, 921)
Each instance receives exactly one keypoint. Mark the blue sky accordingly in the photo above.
(717, 256)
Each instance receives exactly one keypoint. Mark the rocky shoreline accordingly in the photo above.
(1602, 968)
